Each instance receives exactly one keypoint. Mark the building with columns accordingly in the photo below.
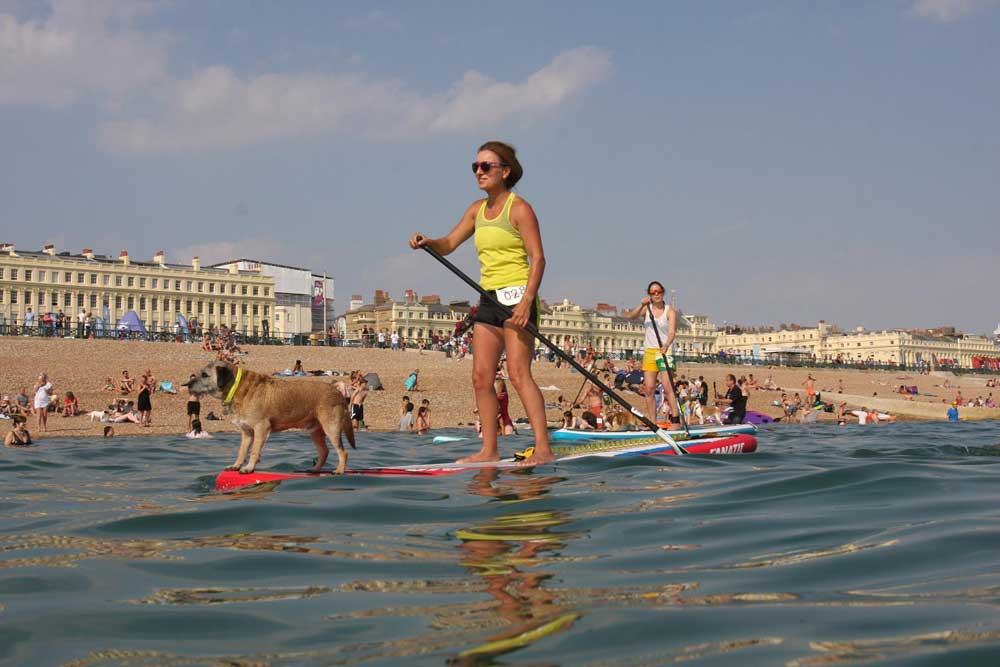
(108, 287)
(611, 334)
(565, 321)
(943, 347)
(696, 335)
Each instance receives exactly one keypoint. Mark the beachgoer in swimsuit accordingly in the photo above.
(503, 404)
(193, 407)
(19, 435)
(125, 384)
(422, 424)
(358, 404)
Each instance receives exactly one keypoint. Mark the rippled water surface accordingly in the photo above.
(829, 546)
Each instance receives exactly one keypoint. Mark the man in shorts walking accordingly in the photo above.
(193, 407)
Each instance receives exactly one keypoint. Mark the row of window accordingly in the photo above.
(130, 281)
(129, 302)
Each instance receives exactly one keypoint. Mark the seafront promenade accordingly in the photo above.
(81, 366)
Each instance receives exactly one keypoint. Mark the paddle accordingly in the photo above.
(575, 400)
(533, 330)
(666, 366)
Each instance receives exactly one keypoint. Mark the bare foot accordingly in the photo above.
(480, 457)
(537, 459)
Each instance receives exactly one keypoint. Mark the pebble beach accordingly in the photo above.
(82, 365)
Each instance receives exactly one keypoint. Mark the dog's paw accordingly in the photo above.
(232, 467)
(246, 470)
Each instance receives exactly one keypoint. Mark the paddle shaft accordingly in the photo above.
(582, 385)
(666, 366)
(533, 330)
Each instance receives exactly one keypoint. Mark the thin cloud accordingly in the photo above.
(376, 19)
(216, 252)
(78, 49)
(218, 109)
(948, 11)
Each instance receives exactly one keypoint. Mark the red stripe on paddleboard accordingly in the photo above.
(233, 479)
(228, 480)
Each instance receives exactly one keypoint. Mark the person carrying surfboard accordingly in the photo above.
(656, 357)
(512, 262)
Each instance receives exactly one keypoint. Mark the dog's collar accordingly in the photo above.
(232, 390)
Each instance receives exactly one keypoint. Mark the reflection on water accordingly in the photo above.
(827, 547)
(509, 554)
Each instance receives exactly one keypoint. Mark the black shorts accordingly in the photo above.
(491, 314)
(194, 408)
(358, 412)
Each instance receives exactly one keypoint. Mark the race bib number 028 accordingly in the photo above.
(511, 296)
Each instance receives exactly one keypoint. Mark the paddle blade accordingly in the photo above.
(663, 435)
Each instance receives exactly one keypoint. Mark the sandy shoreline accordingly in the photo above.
(82, 365)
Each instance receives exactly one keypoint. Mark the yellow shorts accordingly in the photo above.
(649, 358)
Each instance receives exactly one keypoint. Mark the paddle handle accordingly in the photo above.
(533, 330)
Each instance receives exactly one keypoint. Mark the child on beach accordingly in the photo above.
(427, 404)
(406, 421)
(71, 406)
(43, 396)
(422, 424)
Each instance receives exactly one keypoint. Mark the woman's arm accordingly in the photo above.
(671, 330)
(522, 218)
(637, 311)
(461, 232)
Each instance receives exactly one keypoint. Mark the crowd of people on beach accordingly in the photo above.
(43, 401)
(222, 342)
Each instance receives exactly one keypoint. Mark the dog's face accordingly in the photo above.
(211, 379)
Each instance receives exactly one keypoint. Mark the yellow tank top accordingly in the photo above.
(503, 261)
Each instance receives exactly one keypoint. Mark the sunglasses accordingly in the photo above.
(655, 292)
(485, 166)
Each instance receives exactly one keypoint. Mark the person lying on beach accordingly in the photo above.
(585, 422)
(124, 413)
(19, 435)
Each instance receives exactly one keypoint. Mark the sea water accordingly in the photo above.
(831, 545)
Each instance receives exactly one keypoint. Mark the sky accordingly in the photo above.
(770, 162)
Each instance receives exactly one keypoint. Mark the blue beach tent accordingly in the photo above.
(131, 323)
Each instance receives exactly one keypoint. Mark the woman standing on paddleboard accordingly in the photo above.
(512, 263)
(657, 346)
